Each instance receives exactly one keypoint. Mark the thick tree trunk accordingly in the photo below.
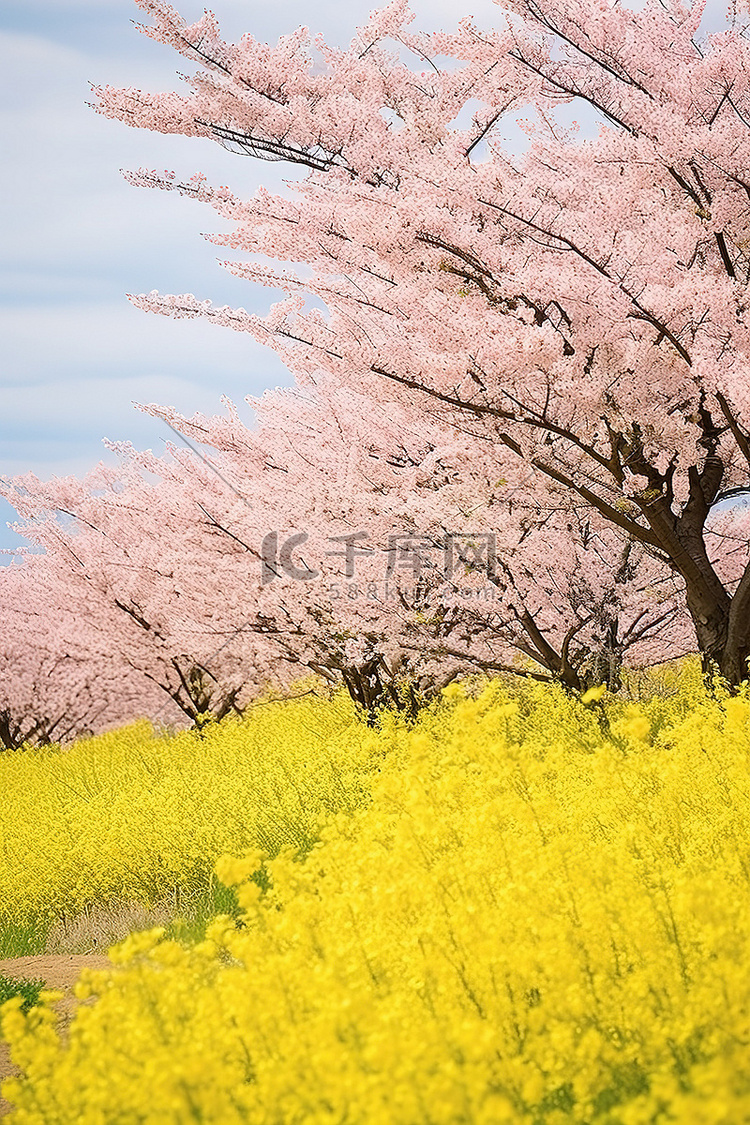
(721, 620)
(722, 629)
(721, 654)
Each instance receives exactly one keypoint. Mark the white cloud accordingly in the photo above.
(336, 18)
(63, 197)
(45, 344)
(79, 406)
(72, 374)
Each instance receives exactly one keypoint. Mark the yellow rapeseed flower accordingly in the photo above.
(520, 911)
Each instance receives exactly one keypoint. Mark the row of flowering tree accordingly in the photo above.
(339, 537)
(521, 387)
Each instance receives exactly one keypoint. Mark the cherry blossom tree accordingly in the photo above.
(450, 575)
(340, 537)
(579, 311)
(107, 550)
(57, 681)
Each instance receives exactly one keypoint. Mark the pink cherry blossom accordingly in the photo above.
(577, 315)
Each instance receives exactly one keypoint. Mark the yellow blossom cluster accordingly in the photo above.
(541, 916)
(137, 816)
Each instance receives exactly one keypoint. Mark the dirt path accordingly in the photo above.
(60, 971)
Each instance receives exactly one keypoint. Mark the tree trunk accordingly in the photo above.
(723, 634)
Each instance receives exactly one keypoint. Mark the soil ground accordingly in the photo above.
(59, 971)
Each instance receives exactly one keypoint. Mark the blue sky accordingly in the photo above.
(76, 238)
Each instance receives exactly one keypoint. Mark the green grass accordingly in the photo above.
(29, 989)
(200, 908)
(22, 939)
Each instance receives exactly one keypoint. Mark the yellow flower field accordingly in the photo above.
(522, 910)
(136, 816)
